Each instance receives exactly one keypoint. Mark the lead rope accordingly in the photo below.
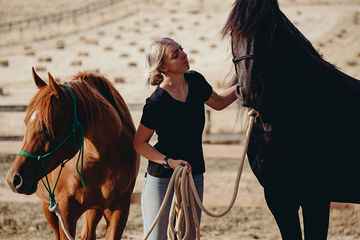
(186, 196)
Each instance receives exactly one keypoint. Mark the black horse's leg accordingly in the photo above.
(316, 219)
(285, 210)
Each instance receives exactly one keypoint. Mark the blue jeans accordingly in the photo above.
(151, 199)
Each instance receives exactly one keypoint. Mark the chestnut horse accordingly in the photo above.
(78, 143)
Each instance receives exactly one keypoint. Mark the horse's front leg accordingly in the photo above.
(52, 219)
(70, 211)
(91, 218)
(117, 218)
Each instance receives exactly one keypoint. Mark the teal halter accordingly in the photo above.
(77, 135)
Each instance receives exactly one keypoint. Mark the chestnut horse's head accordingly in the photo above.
(53, 134)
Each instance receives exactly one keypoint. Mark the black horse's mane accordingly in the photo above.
(250, 17)
(247, 17)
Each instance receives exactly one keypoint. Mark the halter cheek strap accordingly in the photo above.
(245, 57)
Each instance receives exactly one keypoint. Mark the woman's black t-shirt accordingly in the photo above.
(179, 125)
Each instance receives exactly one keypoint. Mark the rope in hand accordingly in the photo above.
(183, 209)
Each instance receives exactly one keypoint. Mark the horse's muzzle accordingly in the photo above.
(18, 185)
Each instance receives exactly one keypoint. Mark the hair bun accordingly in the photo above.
(155, 77)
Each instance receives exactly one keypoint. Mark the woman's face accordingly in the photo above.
(175, 59)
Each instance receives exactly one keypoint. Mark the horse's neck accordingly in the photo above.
(102, 132)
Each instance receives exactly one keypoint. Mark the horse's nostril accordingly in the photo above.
(17, 181)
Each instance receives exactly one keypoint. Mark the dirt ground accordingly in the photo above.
(249, 219)
(117, 50)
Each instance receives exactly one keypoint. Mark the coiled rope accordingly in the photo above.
(183, 206)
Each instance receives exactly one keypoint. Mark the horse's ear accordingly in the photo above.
(38, 81)
(54, 85)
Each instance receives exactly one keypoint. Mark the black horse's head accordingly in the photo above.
(251, 25)
(269, 52)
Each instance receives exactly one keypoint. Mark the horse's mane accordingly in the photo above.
(93, 93)
(108, 91)
(248, 16)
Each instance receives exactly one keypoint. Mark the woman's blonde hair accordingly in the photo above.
(154, 60)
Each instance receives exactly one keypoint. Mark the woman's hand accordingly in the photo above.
(173, 163)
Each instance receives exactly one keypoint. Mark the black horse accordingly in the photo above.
(304, 149)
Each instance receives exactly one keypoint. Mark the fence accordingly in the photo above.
(209, 137)
(13, 32)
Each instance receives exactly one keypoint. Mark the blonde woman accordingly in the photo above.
(175, 111)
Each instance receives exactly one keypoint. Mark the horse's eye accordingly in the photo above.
(45, 133)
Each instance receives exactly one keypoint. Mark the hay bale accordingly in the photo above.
(83, 54)
(180, 28)
(30, 53)
(46, 59)
(76, 63)
(118, 36)
(173, 19)
(124, 55)
(108, 48)
(194, 51)
(132, 64)
(120, 27)
(120, 80)
(352, 63)
(339, 35)
(196, 23)
(194, 12)
(60, 44)
(2, 93)
(213, 45)
(141, 49)
(202, 38)
(40, 68)
(4, 63)
(27, 47)
(101, 33)
(90, 41)
(132, 43)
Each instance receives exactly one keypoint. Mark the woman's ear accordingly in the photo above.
(163, 68)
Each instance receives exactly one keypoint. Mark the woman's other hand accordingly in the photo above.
(173, 163)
